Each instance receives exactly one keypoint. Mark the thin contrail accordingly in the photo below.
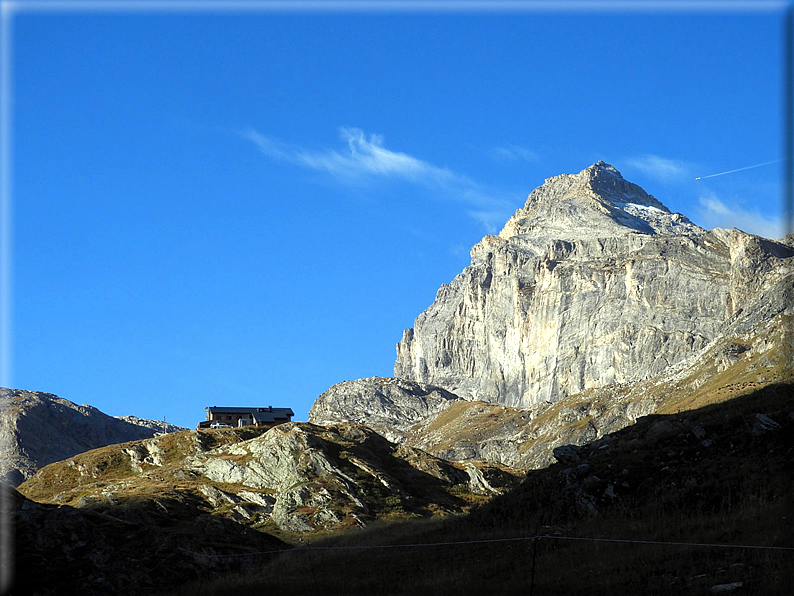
(758, 165)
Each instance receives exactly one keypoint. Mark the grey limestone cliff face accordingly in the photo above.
(40, 428)
(592, 283)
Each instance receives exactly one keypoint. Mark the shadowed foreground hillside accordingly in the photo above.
(720, 475)
(62, 550)
(142, 515)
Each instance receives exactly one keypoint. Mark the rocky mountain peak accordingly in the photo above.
(599, 176)
(602, 180)
(596, 202)
(605, 181)
(592, 283)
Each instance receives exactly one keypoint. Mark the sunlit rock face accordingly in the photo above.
(592, 283)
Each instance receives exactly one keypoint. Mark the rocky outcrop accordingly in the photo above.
(40, 428)
(293, 478)
(593, 283)
(389, 406)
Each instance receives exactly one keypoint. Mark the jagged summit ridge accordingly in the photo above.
(597, 201)
(603, 180)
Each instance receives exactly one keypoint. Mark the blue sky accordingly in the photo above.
(247, 208)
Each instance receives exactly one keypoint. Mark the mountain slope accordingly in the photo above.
(292, 479)
(594, 306)
(40, 428)
(525, 437)
(593, 283)
(661, 493)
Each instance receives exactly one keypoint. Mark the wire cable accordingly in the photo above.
(498, 540)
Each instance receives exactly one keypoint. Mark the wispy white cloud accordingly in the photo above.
(511, 152)
(661, 168)
(270, 147)
(717, 214)
(366, 156)
(367, 159)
